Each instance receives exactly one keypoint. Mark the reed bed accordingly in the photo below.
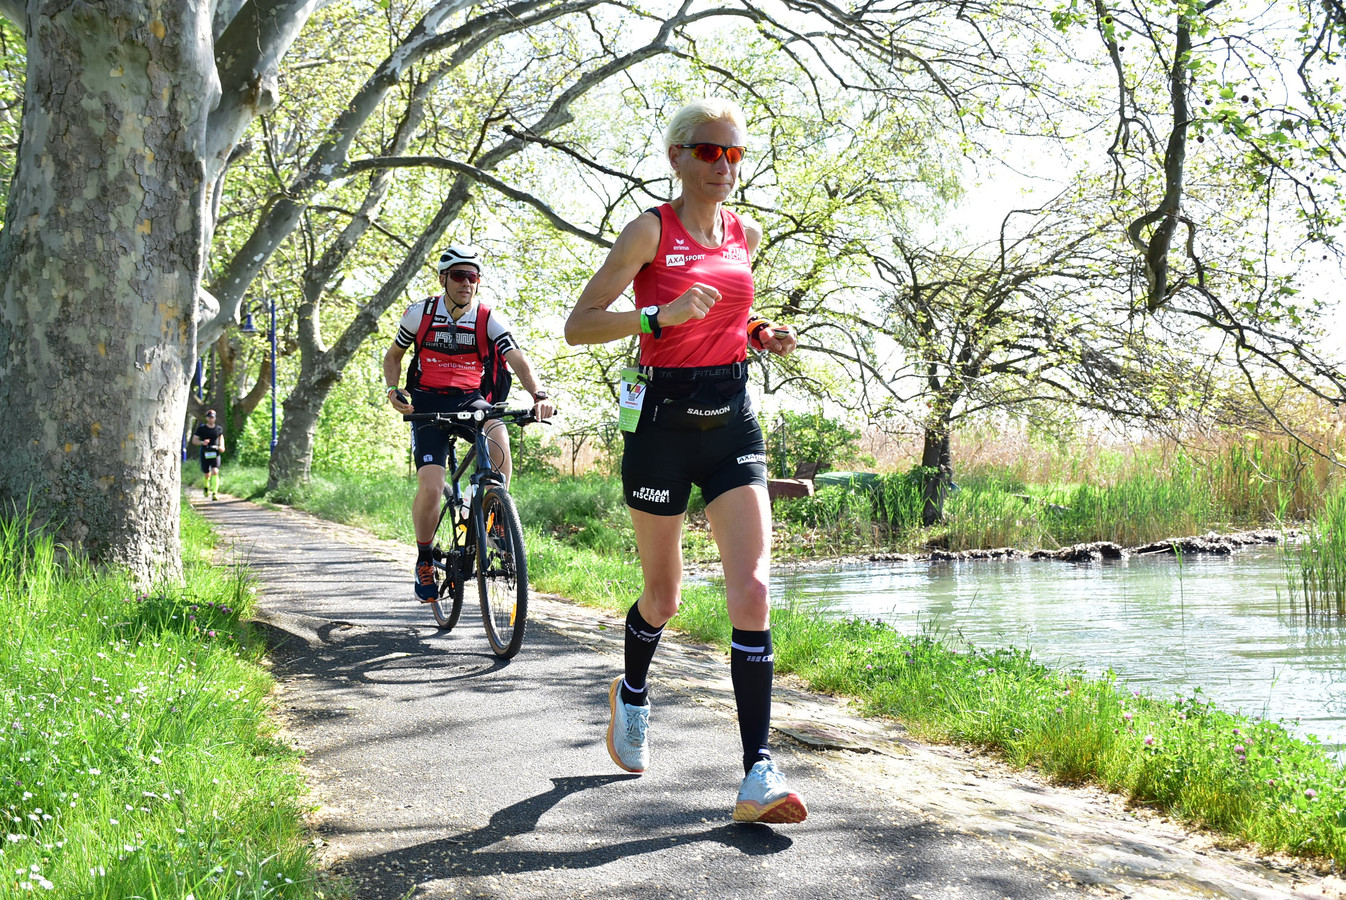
(1145, 506)
(1129, 496)
(1317, 564)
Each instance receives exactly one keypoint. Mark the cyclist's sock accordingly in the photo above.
(642, 639)
(751, 668)
(423, 551)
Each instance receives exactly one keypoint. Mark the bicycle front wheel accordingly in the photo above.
(502, 572)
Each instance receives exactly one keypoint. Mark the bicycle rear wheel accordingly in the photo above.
(448, 605)
(502, 572)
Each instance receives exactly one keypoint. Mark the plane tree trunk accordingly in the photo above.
(100, 258)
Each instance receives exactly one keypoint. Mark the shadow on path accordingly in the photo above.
(487, 851)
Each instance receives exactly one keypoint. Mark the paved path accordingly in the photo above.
(441, 772)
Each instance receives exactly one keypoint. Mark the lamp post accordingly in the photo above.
(272, 301)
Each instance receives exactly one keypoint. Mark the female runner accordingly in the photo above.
(693, 423)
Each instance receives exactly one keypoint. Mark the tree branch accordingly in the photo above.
(482, 177)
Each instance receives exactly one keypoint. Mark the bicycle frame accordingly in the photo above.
(478, 452)
(491, 547)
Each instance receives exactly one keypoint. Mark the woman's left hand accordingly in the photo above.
(779, 339)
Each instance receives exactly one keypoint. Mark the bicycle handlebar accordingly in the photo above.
(518, 416)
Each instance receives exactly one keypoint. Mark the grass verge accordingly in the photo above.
(136, 756)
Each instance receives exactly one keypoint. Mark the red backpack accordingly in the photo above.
(496, 378)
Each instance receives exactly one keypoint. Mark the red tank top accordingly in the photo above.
(721, 337)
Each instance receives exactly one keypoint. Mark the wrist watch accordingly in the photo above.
(649, 321)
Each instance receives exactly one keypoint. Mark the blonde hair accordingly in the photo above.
(698, 112)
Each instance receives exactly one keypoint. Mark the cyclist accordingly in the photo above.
(445, 375)
(690, 264)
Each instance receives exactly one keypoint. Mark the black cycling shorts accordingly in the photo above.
(430, 443)
(209, 463)
(667, 454)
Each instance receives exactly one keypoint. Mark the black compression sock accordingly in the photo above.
(752, 666)
(642, 639)
(423, 551)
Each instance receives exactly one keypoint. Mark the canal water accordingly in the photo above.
(1221, 623)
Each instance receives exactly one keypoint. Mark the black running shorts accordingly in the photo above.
(662, 461)
(209, 463)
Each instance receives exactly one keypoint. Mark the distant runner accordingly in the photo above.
(210, 438)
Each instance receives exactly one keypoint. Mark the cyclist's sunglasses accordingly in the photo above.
(471, 276)
(711, 153)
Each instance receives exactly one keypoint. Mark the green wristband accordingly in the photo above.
(645, 323)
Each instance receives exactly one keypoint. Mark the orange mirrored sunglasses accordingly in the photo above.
(711, 153)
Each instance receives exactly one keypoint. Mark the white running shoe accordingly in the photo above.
(626, 731)
(765, 797)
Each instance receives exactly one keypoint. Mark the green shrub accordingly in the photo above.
(808, 437)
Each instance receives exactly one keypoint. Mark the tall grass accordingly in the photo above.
(834, 520)
(1264, 480)
(587, 511)
(136, 758)
(377, 501)
(1147, 505)
(1317, 575)
(988, 512)
(1246, 481)
(1092, 493)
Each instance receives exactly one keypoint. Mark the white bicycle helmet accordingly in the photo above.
(460, 255)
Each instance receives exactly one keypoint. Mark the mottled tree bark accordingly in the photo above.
(100, 258)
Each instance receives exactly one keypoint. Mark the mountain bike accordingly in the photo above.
(478, 535)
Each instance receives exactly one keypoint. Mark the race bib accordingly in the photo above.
(631, 400)
(210, 454)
